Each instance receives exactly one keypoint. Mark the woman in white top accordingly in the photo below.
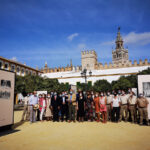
(48, 113)
(115, 105)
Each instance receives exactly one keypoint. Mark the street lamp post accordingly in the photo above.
(84, 75)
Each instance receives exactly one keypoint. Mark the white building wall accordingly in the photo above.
(110, 75)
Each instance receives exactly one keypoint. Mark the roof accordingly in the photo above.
(18, 63)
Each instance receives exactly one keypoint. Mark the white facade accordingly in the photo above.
(110, 75)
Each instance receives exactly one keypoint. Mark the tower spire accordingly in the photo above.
(119, 41)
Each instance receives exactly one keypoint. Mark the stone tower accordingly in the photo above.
(120, 54)
(89, 60)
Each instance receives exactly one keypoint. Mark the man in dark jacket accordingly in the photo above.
(64, 106)
(55, 104)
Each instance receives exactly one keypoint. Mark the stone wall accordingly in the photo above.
(98, 66)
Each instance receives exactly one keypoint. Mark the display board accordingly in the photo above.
(74, 88)
(41, 92)
(144, 88)
(7, 83)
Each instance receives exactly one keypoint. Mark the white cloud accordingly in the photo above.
(82, 46)
(137, 38)
(133, 38)
(14, 58)
(72, 36)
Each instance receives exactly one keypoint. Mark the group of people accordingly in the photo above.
(86, 106)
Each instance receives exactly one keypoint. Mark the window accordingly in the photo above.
(18, 69)
(1, 64)
(22, 71)
(26, 72)
(30, 73)
(13, 68)
(6, 66)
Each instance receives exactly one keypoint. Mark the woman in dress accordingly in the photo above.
(103, 108)
(97, 109)
(81, 106)
(42, 106)
(48, 113)
(89, 108)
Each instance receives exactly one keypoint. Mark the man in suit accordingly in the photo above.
(64, 106)
(55, 105)
(72, 105)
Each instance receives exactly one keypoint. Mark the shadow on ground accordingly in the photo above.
(10, 129)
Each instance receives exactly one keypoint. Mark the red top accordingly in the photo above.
(97, 108)
(41, 103)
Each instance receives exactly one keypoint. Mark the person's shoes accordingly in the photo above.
(148, 124)
(69, 121)
(74, 121)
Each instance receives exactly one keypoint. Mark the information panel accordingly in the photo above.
(144, 88)
(7, 83)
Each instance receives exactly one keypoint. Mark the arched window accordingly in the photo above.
(6, 65)
(26, 72)
(12, 68)
(22, 70)
(18, 69)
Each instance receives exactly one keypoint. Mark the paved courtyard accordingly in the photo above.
(75, 136)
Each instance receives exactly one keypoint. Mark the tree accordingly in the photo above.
(122, 84)
(146, 71)
(84, 86)
(102, 86)
(29, 83)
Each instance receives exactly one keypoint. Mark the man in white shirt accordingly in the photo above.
(25, 111)
(33, 100)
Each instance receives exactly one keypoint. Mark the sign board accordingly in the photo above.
(144, 88)
(7, 83)
(41, 92)
(74, 88)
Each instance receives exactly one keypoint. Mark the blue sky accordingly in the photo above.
(35, 31)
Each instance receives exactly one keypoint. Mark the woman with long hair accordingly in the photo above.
(48, 113)
(103, 108)
(42, 106)
(81, 106)
(97, 109)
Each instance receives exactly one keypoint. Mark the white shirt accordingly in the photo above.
(26, 99)
(33, 100)
(44, 103)
(116, 102)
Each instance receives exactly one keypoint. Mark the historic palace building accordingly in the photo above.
(18, 68)
(120, 65)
